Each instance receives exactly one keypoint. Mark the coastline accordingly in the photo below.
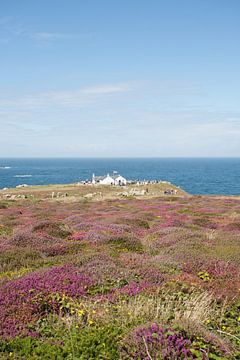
(77, 191)
(74, 192)
(195, 176)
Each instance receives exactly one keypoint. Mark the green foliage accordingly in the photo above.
(97, 343)
(89, 343)
(107, 286)
(201, 346)
(5, 230)
(58, 230)
(3, 205)
(30, 349)
(142, 223)
(185, 211)
(202, 221)
(127, 243)
(13, 260)
(229, 322)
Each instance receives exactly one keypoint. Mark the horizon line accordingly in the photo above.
(120, 157)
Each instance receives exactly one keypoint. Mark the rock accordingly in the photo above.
(88, 196)
(137, 192)
(125, 193)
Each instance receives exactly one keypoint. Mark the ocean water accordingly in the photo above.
(197, 176)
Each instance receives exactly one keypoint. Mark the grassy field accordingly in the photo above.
(107, 276)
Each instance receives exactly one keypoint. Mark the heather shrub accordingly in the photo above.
(25, 300)
(12, 259)
(233, 226)
(155, 342)
(55, 250)
(44, 243)
(158, 342)
(25, 237)
(204, 222)
(12, 221)
(142, 223)
(5, 230)
(3, 205)
(103, 269)
(126, 243)
(93, 288)
(57, 230)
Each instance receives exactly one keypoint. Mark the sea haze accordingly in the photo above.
(195, 175)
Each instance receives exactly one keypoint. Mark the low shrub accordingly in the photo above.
(3, 205)
(127, 243)
(157, 342)
(86, 344)
(57, 230)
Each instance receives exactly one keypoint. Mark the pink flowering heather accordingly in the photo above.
(24, 300)
(159, 342)
(132, 289)
(79, 235)
(105, 253)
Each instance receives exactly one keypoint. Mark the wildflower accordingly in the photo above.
(81, 312)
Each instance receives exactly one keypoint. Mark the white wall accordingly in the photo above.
(122, 179)
(108, 180)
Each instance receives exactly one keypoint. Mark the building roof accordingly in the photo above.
(100, 177)
(114, 177)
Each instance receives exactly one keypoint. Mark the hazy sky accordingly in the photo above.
(119, 78)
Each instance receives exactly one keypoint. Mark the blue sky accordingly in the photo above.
(99, 78)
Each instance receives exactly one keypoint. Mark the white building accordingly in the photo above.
(109, 180)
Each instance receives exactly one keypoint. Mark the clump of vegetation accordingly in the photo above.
(127, 243)
(54, 229)
(3, 205)
(157, 342)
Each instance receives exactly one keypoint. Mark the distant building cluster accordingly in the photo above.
(115, 179)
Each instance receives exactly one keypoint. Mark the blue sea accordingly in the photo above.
(196, 176)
